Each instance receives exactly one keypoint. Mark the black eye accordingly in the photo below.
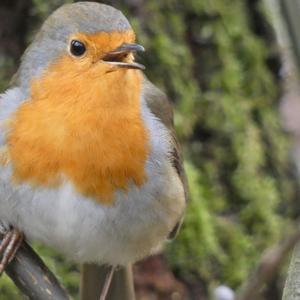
(77, 48)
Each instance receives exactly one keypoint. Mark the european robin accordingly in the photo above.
(89, 160)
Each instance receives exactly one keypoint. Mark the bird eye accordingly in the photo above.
(77, 48)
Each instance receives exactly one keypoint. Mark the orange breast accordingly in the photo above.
(84, 123)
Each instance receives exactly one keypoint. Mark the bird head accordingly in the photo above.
(84, 36)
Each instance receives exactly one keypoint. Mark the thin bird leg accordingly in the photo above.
(9, 246)
(107, 284)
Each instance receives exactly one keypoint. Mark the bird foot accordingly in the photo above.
(9, 246)
(107, 284)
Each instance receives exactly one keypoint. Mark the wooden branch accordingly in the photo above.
(267, 268)
(92, 280)
(292, 286)
(33, 278)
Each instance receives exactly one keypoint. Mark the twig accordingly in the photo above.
(33, 278)
(267, 267)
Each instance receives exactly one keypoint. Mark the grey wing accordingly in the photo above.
(161, 107)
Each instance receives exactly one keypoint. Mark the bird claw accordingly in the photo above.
(107, 283)
(9, 246)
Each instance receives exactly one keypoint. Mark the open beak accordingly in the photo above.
(116, 57)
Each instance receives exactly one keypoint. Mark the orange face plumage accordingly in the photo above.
(83, 122)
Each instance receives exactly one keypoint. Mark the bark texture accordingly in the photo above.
(33, 278)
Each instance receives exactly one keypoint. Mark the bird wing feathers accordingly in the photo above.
(161, 107)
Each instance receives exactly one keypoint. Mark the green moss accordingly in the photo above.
(8, 290)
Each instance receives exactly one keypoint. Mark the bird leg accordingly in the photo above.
(107, 284)
(9, 246)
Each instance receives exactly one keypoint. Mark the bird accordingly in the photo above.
(89, 160)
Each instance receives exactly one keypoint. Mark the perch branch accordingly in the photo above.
(267, 267)
(33, 278)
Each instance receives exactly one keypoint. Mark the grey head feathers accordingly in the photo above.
(52, 39)
(87, 17)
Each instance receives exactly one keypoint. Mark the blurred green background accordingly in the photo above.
(218, 62)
